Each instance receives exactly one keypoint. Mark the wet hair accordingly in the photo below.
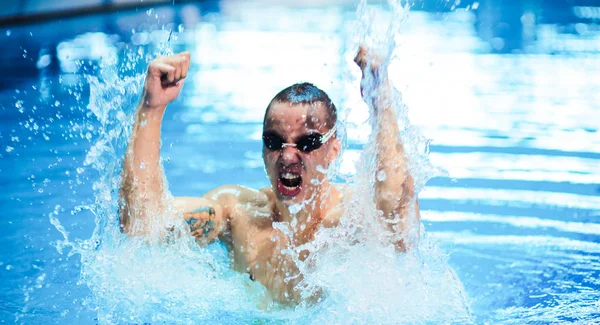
(305, 93)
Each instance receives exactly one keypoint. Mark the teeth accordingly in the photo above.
(290, 176)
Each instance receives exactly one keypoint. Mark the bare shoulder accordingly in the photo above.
(336, 210)
(253, 210)
(225, 197)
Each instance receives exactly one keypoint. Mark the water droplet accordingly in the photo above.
(8, 32)
(19, 105)
(295, 208)
(149, 11)
(9, 267)
(56, 103)
(79, 170)
(180, 28)
(40, 190)
(381, 176)
(9, 149)
(142, 166)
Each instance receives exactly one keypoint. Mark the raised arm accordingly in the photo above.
(394, 188)
(143, 180)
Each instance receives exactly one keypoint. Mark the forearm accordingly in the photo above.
(394, 186)
(142, 189)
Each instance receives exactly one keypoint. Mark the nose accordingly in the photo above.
(289, 155)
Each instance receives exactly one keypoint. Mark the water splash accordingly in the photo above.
(366, 280)
(133, 281)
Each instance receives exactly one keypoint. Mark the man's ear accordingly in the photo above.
(334, 150)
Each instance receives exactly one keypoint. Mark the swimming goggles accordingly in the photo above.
(305, 143)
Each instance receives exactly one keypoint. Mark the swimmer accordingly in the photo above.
(299, 142)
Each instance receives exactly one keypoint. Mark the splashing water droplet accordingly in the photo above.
(381, 176)
(9, 149)
(19, 105)
(295, 208)
(56, 103)
(8, 32)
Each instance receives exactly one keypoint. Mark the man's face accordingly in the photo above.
(295, 175)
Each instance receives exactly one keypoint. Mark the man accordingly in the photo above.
(299, 142)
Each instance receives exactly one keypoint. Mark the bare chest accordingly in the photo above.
(263, 251)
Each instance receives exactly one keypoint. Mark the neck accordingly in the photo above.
(310, 215)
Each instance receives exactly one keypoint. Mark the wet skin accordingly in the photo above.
(245, 218)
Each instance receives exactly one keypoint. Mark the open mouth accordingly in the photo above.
(289, 184)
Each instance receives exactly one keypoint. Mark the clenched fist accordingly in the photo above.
(164, 80)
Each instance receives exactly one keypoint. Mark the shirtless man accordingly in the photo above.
(299, 141)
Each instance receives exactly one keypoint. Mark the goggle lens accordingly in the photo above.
(305, 143)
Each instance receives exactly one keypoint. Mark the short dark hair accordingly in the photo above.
(305, 93)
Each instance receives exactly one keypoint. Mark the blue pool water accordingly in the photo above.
(509, 96)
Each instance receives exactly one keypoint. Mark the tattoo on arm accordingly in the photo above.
(201, 222)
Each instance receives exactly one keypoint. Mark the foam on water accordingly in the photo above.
(363, 280)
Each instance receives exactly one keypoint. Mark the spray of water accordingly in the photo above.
(362, 280)
(365, 280)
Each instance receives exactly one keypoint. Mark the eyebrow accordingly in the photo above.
(273, 132)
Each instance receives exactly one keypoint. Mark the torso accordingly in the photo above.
(256, 245)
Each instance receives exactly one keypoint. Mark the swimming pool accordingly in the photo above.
(512, 114)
